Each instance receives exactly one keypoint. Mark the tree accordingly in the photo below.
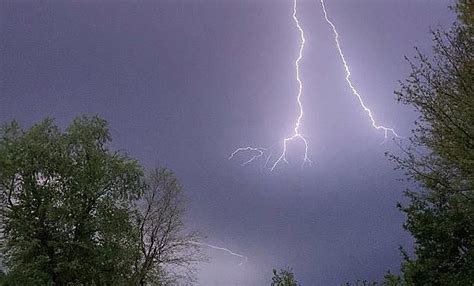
(440, 158)
(164, 244)
(284, 278)
(65, 205)
(389, 280)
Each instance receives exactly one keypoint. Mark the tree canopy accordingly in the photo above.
(70, 209)
(440, 158)
(284, 277)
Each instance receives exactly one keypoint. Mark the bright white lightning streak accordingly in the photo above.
(259, 150)
(296, 135)
(243, 257)
(348, 78)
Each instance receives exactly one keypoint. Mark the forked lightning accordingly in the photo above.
(296, 136)
(259, 152)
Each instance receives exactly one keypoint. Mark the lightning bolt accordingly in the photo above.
(260, 151)
(349, 82)
(296, 135)
(243, 257)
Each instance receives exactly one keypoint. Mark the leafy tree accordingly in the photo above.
(284, 278)
(440, 158)
(389, 280)
(74, 212)
(65, 205)
(164, 243)
(362, 283)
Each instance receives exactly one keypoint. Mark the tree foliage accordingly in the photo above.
(64, 204)
(69, 208)
(440, 158)
(284, 277)
(389, 280)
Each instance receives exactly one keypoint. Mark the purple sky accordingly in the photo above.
(183, 83)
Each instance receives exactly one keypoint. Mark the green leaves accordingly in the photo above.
(440, 157)
(75, 212)
(284, 277)
(66, 203)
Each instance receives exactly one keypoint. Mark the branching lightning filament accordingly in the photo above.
(242, 257)
(259, 152)
(349, 82)
(296, 136)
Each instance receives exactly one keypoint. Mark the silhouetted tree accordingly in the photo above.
(284, 278)
(389, 280)
(65, 205)
(75, 213)
(165, 246)
(440, 158)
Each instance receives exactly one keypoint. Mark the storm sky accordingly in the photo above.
(184, 83)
